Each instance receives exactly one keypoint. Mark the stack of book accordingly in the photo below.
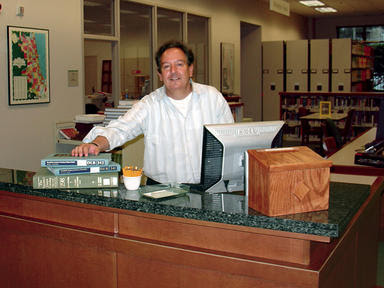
(63, 171)
(114, 113)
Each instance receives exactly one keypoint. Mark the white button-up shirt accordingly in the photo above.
(173, 142)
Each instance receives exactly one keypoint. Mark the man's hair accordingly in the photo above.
(173, 44)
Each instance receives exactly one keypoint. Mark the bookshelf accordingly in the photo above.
(352, 65)
(366, 105)
(362, 67)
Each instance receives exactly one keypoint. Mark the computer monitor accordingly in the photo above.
(224, 147)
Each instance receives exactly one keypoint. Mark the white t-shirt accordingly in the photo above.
(182, 105)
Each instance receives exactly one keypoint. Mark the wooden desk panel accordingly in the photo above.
(224, 239)
(40, 255)
(57, 211)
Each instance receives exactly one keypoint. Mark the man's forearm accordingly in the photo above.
(101, 142)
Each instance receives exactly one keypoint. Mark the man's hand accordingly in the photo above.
(98, 145)
(85, 150)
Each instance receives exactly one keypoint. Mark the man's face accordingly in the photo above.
(175, 72)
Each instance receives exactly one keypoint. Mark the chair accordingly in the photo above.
(341, 136)
(306, 129)
(331, 130)
(329, 146)
(346, 133)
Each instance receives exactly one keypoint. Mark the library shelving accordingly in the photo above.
(365, 104)
(352, 65)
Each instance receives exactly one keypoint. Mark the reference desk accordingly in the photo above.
(345, 170)
(117, 238)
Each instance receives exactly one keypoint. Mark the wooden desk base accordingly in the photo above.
(81, 245)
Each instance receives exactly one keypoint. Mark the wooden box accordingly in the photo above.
(287, 181)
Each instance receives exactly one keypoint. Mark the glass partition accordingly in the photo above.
(169, 26)
(135, 49)
(98, 17)
(198, 42)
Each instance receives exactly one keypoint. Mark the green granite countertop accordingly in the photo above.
(229, 208)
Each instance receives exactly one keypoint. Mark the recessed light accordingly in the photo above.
(326, 9)
(312, 3)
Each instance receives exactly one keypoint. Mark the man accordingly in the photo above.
(171, 119)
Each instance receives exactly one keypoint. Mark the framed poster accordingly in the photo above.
(226, 70)
(28, 65)
(325, 108)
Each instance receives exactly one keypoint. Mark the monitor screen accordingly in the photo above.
(224, 147)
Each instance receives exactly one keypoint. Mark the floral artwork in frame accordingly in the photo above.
(28, 65)
(226, 69)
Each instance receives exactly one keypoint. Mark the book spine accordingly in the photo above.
(75, 162)
(76, 181)
(84, 170)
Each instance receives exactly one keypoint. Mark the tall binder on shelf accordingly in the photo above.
(341, 65)
(297, 66)
(319, 65)
(273, 78)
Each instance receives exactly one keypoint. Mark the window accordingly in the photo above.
(362, 33)
(131, 51)
(96, 54)
(374, 35)
(98, 17)
(198, 42)
(169, 26)
(135, 49)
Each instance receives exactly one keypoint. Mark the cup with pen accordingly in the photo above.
(132, 177)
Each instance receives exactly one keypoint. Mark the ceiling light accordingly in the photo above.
(326, 9)
(312, 3)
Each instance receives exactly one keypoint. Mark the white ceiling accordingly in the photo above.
(344, 8)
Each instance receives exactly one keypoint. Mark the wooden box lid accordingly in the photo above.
(291, 158)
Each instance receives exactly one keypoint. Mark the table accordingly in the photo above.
(333, 116)
(306, 127)
(104, 238)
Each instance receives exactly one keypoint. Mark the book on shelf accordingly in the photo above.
(45, 179)
(69, 133)
(89, 118)
(111, 167)
(66, 159)
(127, 102)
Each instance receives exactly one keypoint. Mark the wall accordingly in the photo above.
(28, 130)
